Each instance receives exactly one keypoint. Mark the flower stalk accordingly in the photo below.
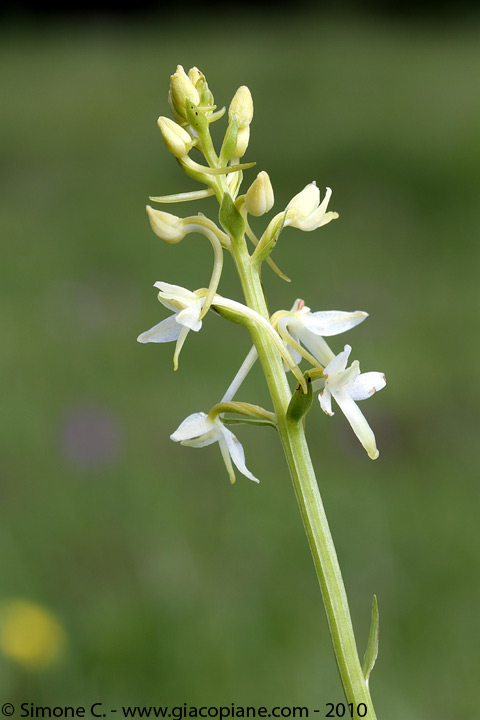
(297, 455)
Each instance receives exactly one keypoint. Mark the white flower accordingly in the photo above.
(307, 328)
(347, 385)
(186, 307)
(199, 430)
(306, 212)
(188, 310)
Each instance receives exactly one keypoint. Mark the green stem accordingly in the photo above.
(308, 496)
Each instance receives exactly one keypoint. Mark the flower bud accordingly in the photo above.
(168, 227)
(242, 106)
(243, 136)
(182, 89)
(177, 140)
(199, 81)
(259, 197)
(194, 75)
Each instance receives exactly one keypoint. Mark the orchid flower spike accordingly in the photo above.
(306, 212)
(301, 327)
(347, 385)
(199, 430)
(187, 308)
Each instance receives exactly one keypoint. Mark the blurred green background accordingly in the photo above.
(171, 585)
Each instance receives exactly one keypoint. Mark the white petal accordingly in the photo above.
(226, 457)
(345, 379)
(176, 292)
(305, 202)
(237, 453)
(189, 316)
(197, 425)
(325, 398)
(339, 362)
(366, 385)
(294, 323)
(317, 346)
(166, 331)
(320, 219)
(314, 221)
(333, 322)
(323, 205)
(357, 420)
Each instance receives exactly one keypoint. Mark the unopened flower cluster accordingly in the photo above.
(299, 334)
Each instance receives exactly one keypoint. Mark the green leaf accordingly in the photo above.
(230, 219)
(371, 652)
(300, 403)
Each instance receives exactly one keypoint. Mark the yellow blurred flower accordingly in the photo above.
(30, 634)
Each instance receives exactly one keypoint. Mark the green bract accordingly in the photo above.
(230, 219)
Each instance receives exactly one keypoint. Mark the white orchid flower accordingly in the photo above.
(347, 385)
(306, 212)
(300, 327)
(188, 312)
(199, 430)
(187, 308)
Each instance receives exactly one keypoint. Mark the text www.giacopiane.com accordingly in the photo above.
(179, 712)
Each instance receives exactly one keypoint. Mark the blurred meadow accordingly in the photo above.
(167, 584)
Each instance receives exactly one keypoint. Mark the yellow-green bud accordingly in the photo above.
(177, 140)
(242, 106)
(168, 227)
(243, 136)
(182, 89)
(194, 75)
(259, 197)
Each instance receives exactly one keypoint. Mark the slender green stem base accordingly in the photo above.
(308, 496)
